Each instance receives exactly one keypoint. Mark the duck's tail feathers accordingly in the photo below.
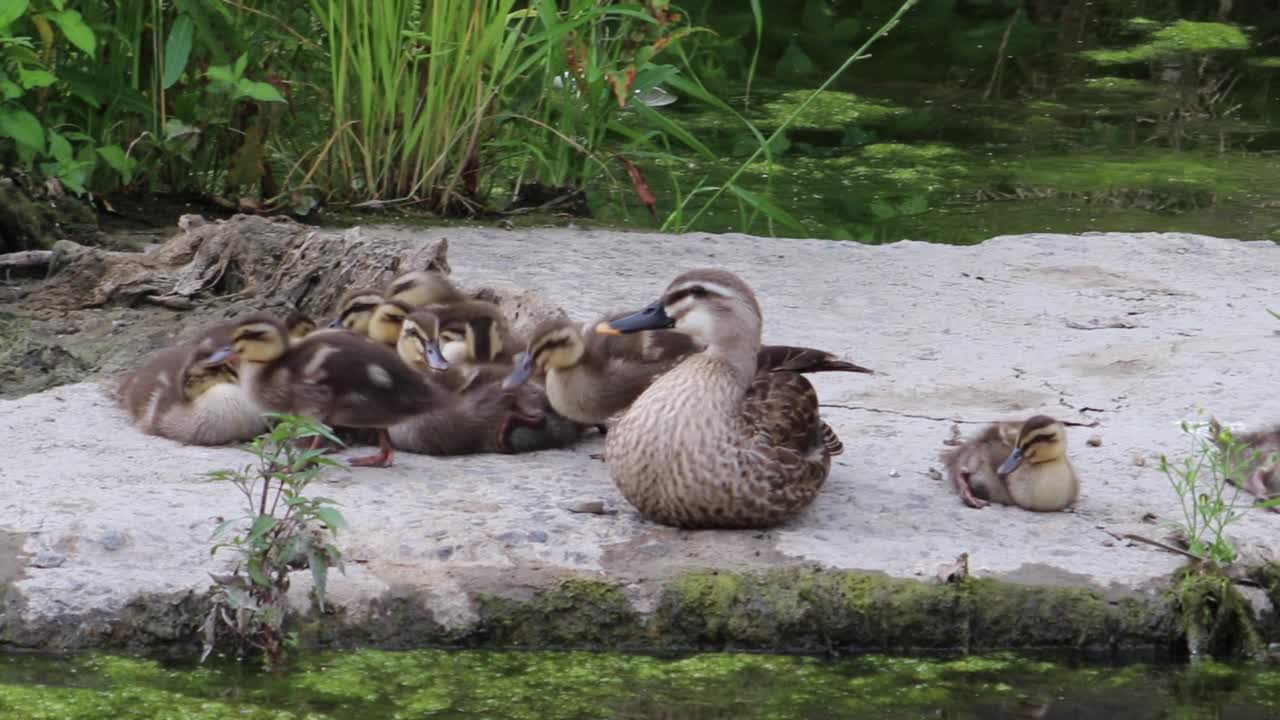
(804, 360)
(831, 441)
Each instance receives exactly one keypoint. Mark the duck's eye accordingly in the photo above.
(698, 291)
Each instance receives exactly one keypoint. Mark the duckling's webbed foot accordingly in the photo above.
(385, 456)
(965, 490)
(519, 433)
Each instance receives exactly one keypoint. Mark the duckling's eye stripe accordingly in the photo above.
(401, 286)
(361, 307)
(552, 345)
(1036, 439)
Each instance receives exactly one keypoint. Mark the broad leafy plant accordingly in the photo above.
(282, 530)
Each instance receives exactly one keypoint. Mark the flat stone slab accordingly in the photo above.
(1133, 331)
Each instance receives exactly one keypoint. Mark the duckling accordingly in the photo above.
(1015, 463)
(337, 378)
(384, 325)
(592, 377)
(355, 310)
(420, 288)
(730, 437)
(1261, 458)
(300, 325)
(474, 331)
(481, 415)
(179, 395)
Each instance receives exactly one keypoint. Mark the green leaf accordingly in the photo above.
(256, 574)
(11, 10)
(9, 90)
(242, 62)
(115, 156)
(177, 50)
(23, 127)
(767, 207)
(35, 78)
(60, 149)
(331, 517)
(258, 91)
(74, 27)
(261, 526)
(220, 74)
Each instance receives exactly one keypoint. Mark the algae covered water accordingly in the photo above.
(579, 685)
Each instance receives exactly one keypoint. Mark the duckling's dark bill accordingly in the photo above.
(522, 372)
(334, 323)
(1011, 463)
(435, 358)
(652, 317)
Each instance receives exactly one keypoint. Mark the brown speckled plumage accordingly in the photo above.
(732, 436)
(1260, 456)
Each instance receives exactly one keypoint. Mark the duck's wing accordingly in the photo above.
(789, 434)
(793, 358)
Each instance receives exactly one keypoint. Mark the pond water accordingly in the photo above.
(578, 685)
(921, 162)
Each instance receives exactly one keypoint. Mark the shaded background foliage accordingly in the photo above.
(465, 108)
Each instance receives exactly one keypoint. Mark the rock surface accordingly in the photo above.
(1135, 332)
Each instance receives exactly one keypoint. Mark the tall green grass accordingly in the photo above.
(414, 88)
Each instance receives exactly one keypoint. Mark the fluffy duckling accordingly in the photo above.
(592, 377)
(337, 378)
(388, 317)
(480, 415)
(726, 438)
(474, 331)
(355, 310)
(420, 288)
(1015, 463)
(299, 325)
(180, 395)
(1261, 457)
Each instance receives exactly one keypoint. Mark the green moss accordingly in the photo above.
(829, 110)
(1117, 85)
(1217, 621)
(1181, 37)
(579, 612)
(918, 153)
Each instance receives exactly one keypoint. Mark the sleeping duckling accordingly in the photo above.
(592, 377)
(1261, 459)
(355, 310)
(179, 395)
(1011, 463)
(299, 325)
(732, 436)
(336, 378)
(420, 288)
(480, 415)
(474, 331)
(388, 317)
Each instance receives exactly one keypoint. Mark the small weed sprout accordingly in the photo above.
(1206, 493)
(282, 530)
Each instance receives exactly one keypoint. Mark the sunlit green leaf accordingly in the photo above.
(23, 127)
(30, 79)
(11, 10)
(331, 517)
(258, 91)
(74, 27)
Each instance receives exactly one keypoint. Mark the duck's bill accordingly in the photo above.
(522, 372)
(435, 358)
(1011, 463)
(334, 323)
(221, 355)
(652, 317)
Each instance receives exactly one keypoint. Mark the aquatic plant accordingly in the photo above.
(282, 530)
(1206, 495)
